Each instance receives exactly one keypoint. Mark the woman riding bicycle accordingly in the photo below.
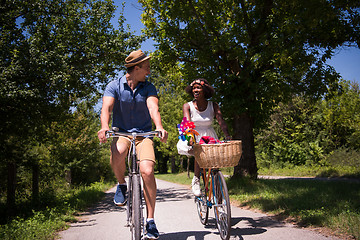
(201, 111)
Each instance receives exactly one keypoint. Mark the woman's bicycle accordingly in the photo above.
(134, 209)
(214, 191)
(214, 195)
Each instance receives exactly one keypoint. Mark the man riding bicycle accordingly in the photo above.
(133, 101)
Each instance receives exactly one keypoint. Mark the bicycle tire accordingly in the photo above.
(222, 209)
(129, 203)
(136, 208)
(201, 202)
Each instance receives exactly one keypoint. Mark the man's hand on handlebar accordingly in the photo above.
(164, 135)
(101, 135)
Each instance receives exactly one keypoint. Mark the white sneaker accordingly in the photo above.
(195, 186)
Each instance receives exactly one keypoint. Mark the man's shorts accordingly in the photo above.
(144, 147)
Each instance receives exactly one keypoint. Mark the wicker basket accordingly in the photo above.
(218, 155)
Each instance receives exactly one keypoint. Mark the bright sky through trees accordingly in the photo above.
(346, 60)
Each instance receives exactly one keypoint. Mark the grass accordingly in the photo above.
(181, 178)
(340, 163)
(307, 202)
(46, 222)
(333, 205)
(313, 171)
(42, 225)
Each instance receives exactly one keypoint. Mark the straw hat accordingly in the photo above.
(135, 58)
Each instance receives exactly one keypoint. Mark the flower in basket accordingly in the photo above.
(187, 131)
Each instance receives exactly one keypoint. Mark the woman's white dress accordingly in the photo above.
(203, 120)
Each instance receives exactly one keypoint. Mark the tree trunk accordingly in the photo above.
(35, 183)
(173, 165)
(68, 176)
(11, 187)
(188, 167)
(163, 168)
(243, 130)
(181, 164)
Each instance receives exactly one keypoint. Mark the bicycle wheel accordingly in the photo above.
(129, 202)
(222, 208)
(201, 203)
(136, 208)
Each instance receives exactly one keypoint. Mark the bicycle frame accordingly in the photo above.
(215, 194)
(209, 192)
(134, 216)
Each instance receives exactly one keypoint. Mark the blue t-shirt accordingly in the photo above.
(130, 112)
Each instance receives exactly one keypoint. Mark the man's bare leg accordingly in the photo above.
(147, 173)
(117, 160)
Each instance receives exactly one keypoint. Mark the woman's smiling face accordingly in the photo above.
(197, 91)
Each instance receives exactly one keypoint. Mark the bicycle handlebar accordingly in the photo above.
(112, 133)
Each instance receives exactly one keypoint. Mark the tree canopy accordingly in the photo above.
(54, 55)
(255, 53)
(56, 52)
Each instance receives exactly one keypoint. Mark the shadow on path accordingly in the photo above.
(173, 194)
(256, 227)
(251, 226)
(104, 206)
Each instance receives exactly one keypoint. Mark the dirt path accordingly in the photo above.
(177, 219)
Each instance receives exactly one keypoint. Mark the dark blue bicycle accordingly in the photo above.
(134, 209)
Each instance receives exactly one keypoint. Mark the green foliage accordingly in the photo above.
(342, 162)
(313, 133)
(71, 155)
(42, 225)
(54, 53)
(172, 96)
(292, 135)
(46, 222)
(342, 156)
(255, 53)
(341, 118)
(347, 222)
(75, 148)
(54, 56)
